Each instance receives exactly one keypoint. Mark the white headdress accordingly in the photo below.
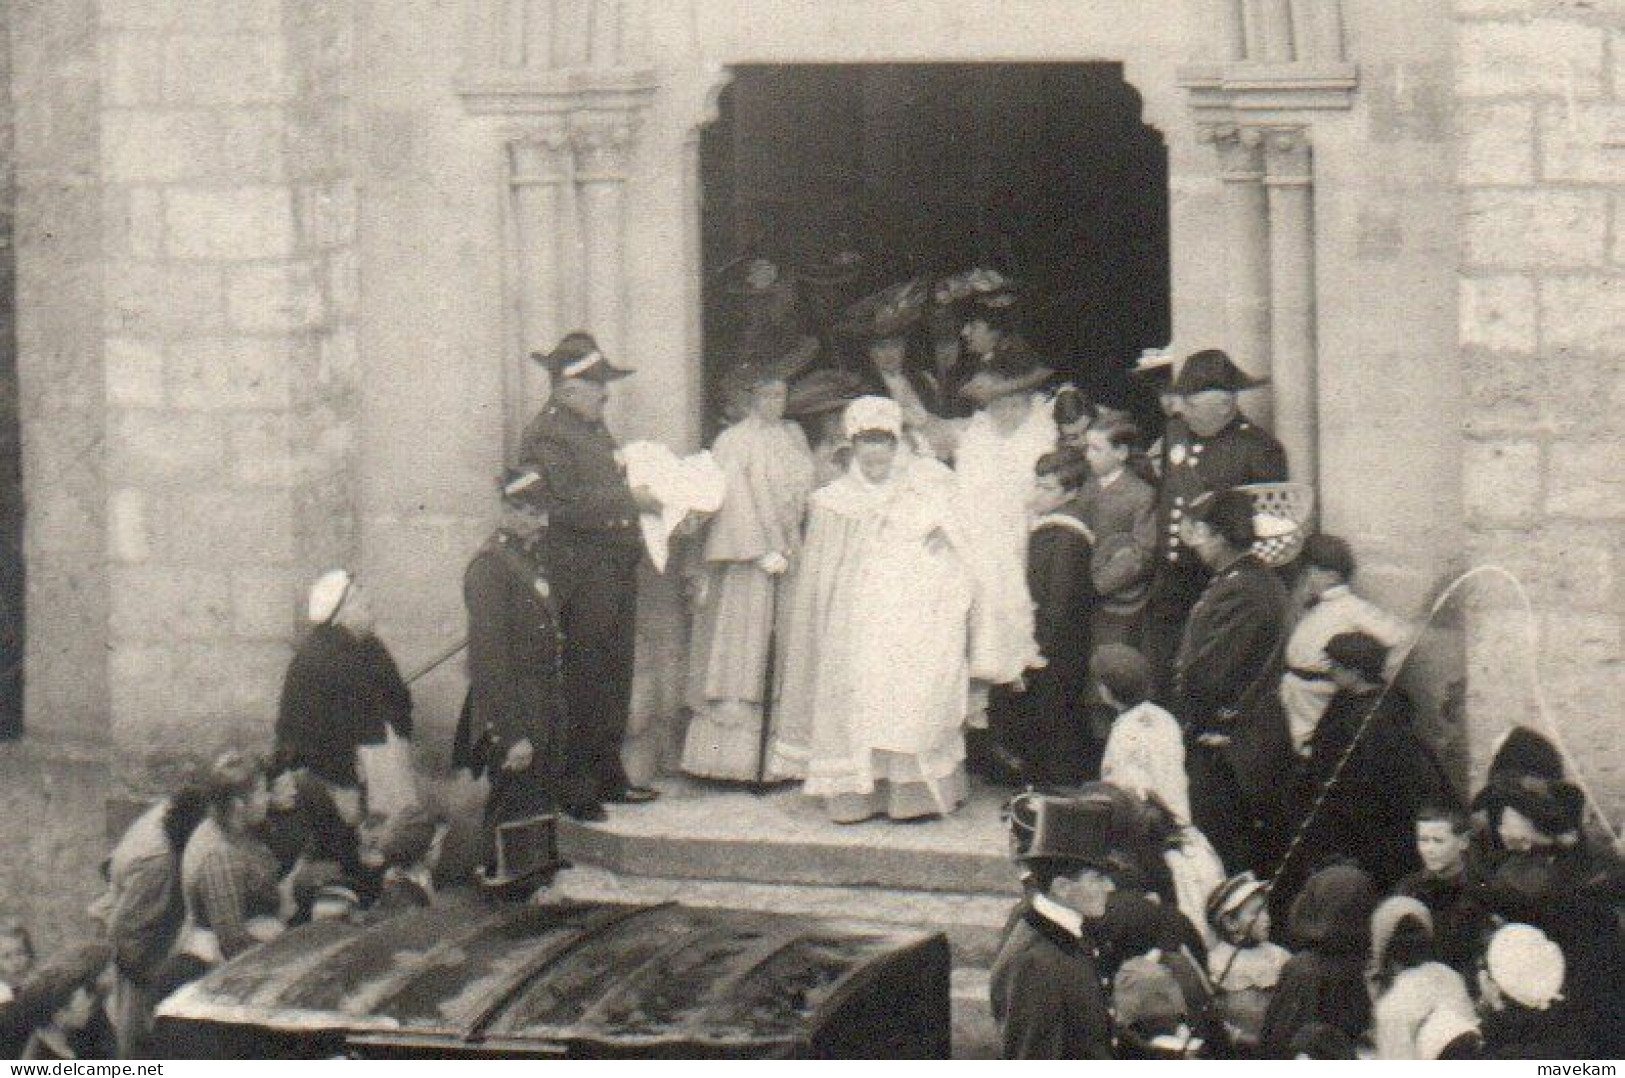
(873, 413)
(1526, 965)
(328, 594)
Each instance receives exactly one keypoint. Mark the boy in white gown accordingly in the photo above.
(874, 677)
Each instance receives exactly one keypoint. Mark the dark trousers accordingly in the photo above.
(1219, 807)
(1047, 727)
(1174, 590)
(596, 589)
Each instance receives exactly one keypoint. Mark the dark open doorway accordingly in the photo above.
(856, 176)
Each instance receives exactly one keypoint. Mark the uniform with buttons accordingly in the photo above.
(1240, 453)
(591, 552)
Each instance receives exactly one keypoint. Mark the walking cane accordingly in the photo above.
(438, 661)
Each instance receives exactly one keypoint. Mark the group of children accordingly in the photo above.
(230, 859)
(1505, 943)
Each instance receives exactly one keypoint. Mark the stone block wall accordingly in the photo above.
(1541, 162)
(229, 222)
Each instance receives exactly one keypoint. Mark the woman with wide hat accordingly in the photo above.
(748, 549)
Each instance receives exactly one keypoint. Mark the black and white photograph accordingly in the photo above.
(812, 529)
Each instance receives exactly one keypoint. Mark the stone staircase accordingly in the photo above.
(725, 848)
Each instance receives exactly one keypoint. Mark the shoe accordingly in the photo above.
(634, 795)
(586, 813)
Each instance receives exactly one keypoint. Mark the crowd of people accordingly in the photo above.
(931, 563)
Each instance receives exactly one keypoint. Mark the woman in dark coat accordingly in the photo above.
(342, 689)
(1330, 929)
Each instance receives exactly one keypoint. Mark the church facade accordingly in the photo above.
(279, 266)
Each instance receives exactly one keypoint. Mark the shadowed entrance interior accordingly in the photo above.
(851, 177)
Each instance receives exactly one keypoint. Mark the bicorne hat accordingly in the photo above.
(1212, 369)
(577, 356)
(1154, 367)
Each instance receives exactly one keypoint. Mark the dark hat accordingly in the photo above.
(1329, 552)
(826, 390)
(891, 312)
(1555, 808)
(1525, 752)
(527, 856)
(1154, 367)
(1360, 652)
(577, 356)
(1123, 670)
(753, 370)
(1212, 369)
(1013, 368)
(1228, 512)
(1071, 831)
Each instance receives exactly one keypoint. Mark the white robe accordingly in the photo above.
(874, 665)
(993, 478)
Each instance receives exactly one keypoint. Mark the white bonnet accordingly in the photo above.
(327, 595)
(1526, 965)
(873, 413)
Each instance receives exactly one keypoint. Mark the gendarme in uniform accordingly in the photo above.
(591, 550)
(1237, 454)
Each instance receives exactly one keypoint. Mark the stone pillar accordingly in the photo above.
(1247, 315)
(539, 174)
(1232, 31)
(1275, 33)
(1292, 296)
(603, 144)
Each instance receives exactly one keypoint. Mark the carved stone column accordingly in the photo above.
(539, 170)
(603, 144)
(1288, 181)
(1247, 313)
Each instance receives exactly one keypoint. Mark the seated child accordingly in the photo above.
(1243, 964)
(408, 846)
(1443, 838)
(60, 1000)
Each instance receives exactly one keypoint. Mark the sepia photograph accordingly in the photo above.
(811, 529)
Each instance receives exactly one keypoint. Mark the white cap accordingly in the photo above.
(1439, 1029)
(873, 413)
(1526, 965)
(328, 594)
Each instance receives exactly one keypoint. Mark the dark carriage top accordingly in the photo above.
(598, 979)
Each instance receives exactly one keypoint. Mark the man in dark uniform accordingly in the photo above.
(1050, 990)
(1210, 446)
(1226, 672)
(514, 724)
(592, 551)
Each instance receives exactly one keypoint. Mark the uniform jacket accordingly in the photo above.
(1231, 651)
(513, 656)
(340, 691)
(1124, 508)
(1241, 453)
(583, 486)
(1058, 578)
(1048, 995)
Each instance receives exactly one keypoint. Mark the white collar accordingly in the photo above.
(1107, 481)
(1051, 910)
(1336, 591)
(418, 874)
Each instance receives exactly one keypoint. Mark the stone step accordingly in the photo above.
(972, 922)
(702, 832)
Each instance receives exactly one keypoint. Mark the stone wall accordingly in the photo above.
(1540, 90)
(230, 284)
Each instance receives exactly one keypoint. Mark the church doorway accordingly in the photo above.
(852, 177)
